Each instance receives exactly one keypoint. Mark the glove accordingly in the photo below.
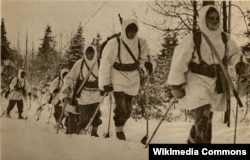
(149, 67)
(178, 91)
(108, 88)
(240, 68)
(29, 94)
(66, 99)
(56, 90)
(248, 60)
(103, 93)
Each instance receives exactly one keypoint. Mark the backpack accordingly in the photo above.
(106, 42)
(198, 40)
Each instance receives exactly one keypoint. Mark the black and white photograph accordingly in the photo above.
(110, 79)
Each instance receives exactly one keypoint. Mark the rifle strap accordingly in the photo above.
(197, 41)
(91, 71)
(19, 83)
(128, 49)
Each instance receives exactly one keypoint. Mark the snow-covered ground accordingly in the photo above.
(36, 140)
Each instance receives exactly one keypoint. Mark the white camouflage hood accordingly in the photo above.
(90, 62)
(132, 43)
(203, 25)
(19, 74)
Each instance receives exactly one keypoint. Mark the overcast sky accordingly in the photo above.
(65, 16)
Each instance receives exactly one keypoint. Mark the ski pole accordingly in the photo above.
(39, 111)
(61, 117)
(3, 113)
(156, 129)
(51, 110)
(93, 117)
(236, 116)
(29, 102)
(50, 114)
(145, 138)
(107, 135)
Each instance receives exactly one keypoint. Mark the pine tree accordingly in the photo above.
(246, 51)
(47, 58)
(246, 48)
(5, 44)
(48, 45)
(11, 60)
(163, 60)
(158, 93)
(76, 48)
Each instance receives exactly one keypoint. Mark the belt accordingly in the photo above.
(126, 67)
(92, 85)
(204, 69)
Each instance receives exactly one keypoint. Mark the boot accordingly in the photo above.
(20, 117)
(120, 136)
(94, 132)
(72, 124)
(190, 140)
(8, 115)
(120, 133)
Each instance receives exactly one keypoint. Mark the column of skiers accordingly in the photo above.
(195, 78)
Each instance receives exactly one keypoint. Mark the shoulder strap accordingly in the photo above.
(98, 63)
(91, 71)
(130, 52)
(80, 73)
(119, 49)
(139, 48)
(224, 37)
(197, 41)
(59, 79)
(197, 44)
(19, 83)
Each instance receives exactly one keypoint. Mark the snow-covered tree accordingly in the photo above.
(48, 44)
(11, 60)
(76, 48)
(158, 92)
(47, 58)
(5, 44)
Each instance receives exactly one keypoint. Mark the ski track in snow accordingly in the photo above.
(37, 140)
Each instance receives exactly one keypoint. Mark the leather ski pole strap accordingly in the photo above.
(85, 79)
(224, 71)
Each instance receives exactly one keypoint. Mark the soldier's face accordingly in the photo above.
(90, 55)
(22, 74)
(213, 21)
(131, 34)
